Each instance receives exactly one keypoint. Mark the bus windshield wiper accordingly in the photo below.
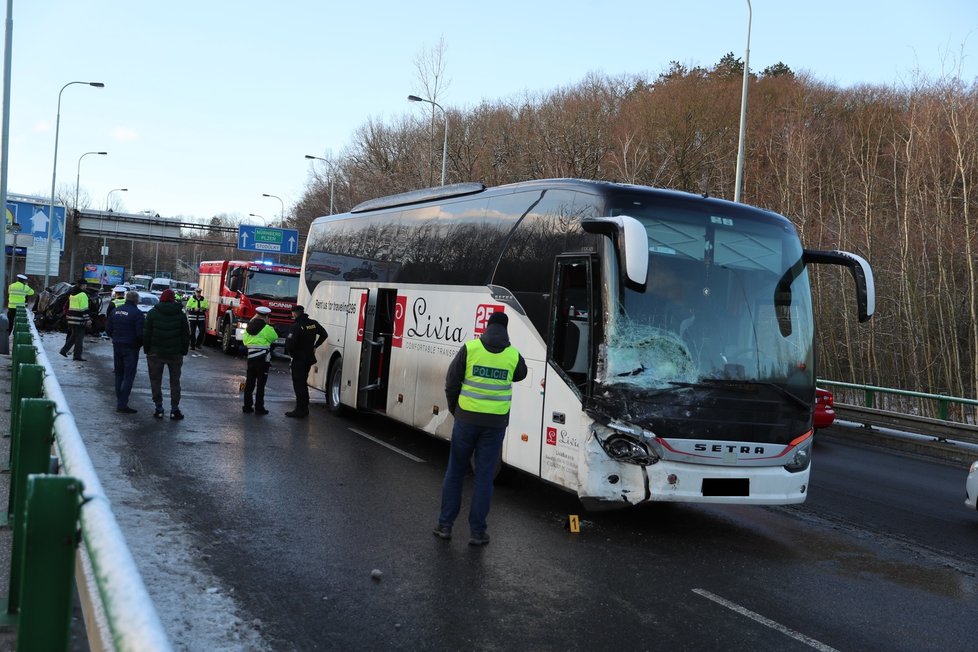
(720, 382)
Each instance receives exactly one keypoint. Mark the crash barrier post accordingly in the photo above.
(118, 612)
(24, 352)
(50, 545)
(30, 386)
(37, 414)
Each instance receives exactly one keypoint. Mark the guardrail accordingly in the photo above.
(119, 614)
(916, 416)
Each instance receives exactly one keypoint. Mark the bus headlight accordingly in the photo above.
(624, 448)
(627, 444)
(800, 458)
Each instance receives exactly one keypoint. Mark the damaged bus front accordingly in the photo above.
(702, 380)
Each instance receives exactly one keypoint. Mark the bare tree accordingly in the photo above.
(430, 67)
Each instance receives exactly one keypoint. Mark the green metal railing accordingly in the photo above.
(926, 402)
(58, 519)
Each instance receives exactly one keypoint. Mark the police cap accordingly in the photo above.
(262, 310)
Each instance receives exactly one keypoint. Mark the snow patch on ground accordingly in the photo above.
(197, 610)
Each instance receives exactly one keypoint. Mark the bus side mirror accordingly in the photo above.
(862, 273)
(632, 240)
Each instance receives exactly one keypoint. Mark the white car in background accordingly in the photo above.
(147, 300)
(971, 487)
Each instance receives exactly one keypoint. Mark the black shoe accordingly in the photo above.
(479, 539)
(297, 414)
(126, 410)
(260, 412)
(158, 414)
(247, 409)
(80, 359)
(443, 531)
(176, 415)
(64, 354)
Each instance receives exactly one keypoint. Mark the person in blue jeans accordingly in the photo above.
(479, 389)
(125, 327)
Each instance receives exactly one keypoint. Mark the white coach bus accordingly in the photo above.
(669, 336)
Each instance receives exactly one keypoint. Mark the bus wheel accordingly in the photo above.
(334, 382)
(228, 345)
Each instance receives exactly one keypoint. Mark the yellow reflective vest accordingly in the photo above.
(260, 345)
(197, 308)
(488, 383)
(17, 294)
(78, 308)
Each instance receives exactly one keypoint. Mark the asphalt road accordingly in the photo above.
(292, 518)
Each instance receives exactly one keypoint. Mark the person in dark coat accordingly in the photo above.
(478, 387)
(166, 340)
(305, 336)
(125, 327)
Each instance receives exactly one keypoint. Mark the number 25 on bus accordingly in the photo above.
(669, 337)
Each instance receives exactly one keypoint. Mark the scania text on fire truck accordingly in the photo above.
(235, 288)
(669, 337)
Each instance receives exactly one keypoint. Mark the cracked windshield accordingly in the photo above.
(727, 299)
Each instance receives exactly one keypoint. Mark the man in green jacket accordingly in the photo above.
(76, 314)
(166, 340)
(479, 391)
(17, 295)
(197, 316)
(259, 337)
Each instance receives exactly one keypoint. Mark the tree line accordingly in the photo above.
(885, 172)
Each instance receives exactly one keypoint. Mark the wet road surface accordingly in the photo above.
(294, 516)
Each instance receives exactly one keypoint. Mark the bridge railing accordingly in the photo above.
(119, 614)
(946, 418)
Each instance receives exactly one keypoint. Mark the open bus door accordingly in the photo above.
(366, 362)
(569, 366)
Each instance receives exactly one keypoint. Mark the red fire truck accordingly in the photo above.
(235, 288)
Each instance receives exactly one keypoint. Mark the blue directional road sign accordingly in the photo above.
(268, 240)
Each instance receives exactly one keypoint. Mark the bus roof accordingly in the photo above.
(584, 185)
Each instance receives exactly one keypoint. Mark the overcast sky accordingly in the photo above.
(211, 103)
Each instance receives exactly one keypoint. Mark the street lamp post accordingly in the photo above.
(5, 140)
(743, 111)
(261, 217)
(104, 247)
(444, 147)
(13, 229)
(78, 174)
(332, 174)
(54, 174)
(282, 214)
(71, 261)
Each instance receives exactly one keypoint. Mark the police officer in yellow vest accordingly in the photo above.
(77, 317)
(197, 316)
(479, 389)
(258, 338)
(17, 294)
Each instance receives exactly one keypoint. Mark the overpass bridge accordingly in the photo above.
(142, 227)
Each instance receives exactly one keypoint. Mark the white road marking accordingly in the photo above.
(767, 622)
(386, 445)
